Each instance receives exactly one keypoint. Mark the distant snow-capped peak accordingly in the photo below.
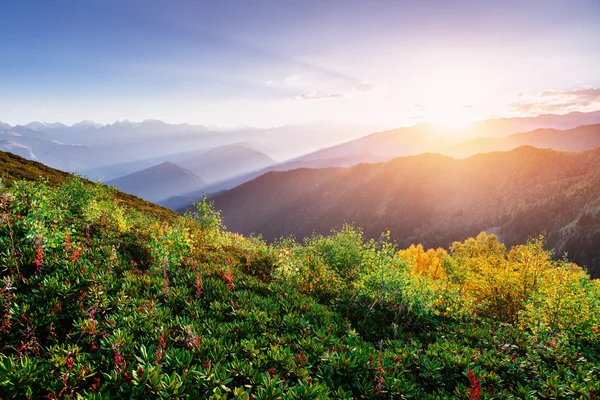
(40, 126)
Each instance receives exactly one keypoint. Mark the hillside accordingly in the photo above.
(576, 139)
(389, 144)
(100, 299)
(434, 200)
(159, 182)
(187, 200)
(15, 168)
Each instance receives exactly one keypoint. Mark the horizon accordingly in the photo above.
(250, 127)
(270, 64)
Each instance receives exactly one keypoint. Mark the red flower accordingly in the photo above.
(39, 254)
(227, 278)
(119, 360)
(165, 279)
(96, 385)
(68, 242)
(76, 254)
(474, 391)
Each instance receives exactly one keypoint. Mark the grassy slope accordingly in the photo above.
(127, 306)
(13, 167)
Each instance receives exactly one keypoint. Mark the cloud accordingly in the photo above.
(268, 83)
(314, 95)
(365, 87)
(590, 94)
(557, 101)
(292, 78)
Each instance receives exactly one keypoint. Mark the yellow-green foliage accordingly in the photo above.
(479, 276)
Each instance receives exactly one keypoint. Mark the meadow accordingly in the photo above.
(103, 296)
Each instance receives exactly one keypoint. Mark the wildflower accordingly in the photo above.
(119, 361)
(39, 254)
(69, 363)
(96, 385)
(76, 255)
(165, 279)
(162, 341)
(228, 278)
(68, 242)
(7, 297)
(474, 391)
(158, 353)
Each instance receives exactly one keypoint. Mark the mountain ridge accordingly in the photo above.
(158, 182)
(432, 199)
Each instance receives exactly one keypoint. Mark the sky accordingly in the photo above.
(270, 63)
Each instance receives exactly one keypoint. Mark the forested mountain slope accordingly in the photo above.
(434, 200)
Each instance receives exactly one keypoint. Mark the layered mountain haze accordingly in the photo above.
(66, 157)
(225, 162)
(159, 182)
(427, 137)
(498, 127)
(434, 200)
(576, 139)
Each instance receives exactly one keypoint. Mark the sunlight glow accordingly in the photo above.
(450, 117)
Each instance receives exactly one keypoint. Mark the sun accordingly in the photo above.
(450, 117)
(452, 91)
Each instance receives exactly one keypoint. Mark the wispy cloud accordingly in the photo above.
(365, 87)
(557, 101)
(292, 78)
(314, 95)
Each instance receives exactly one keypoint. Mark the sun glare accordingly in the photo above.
(449, 91)
(448, 117)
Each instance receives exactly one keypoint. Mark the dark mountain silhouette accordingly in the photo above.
(434, 200)
(159, 182)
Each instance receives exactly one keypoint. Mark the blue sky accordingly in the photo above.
(267, 63)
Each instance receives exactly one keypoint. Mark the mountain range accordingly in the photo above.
(190, 172)
(224, 159)
(434, 200)
(576, 139)
(383, 146)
